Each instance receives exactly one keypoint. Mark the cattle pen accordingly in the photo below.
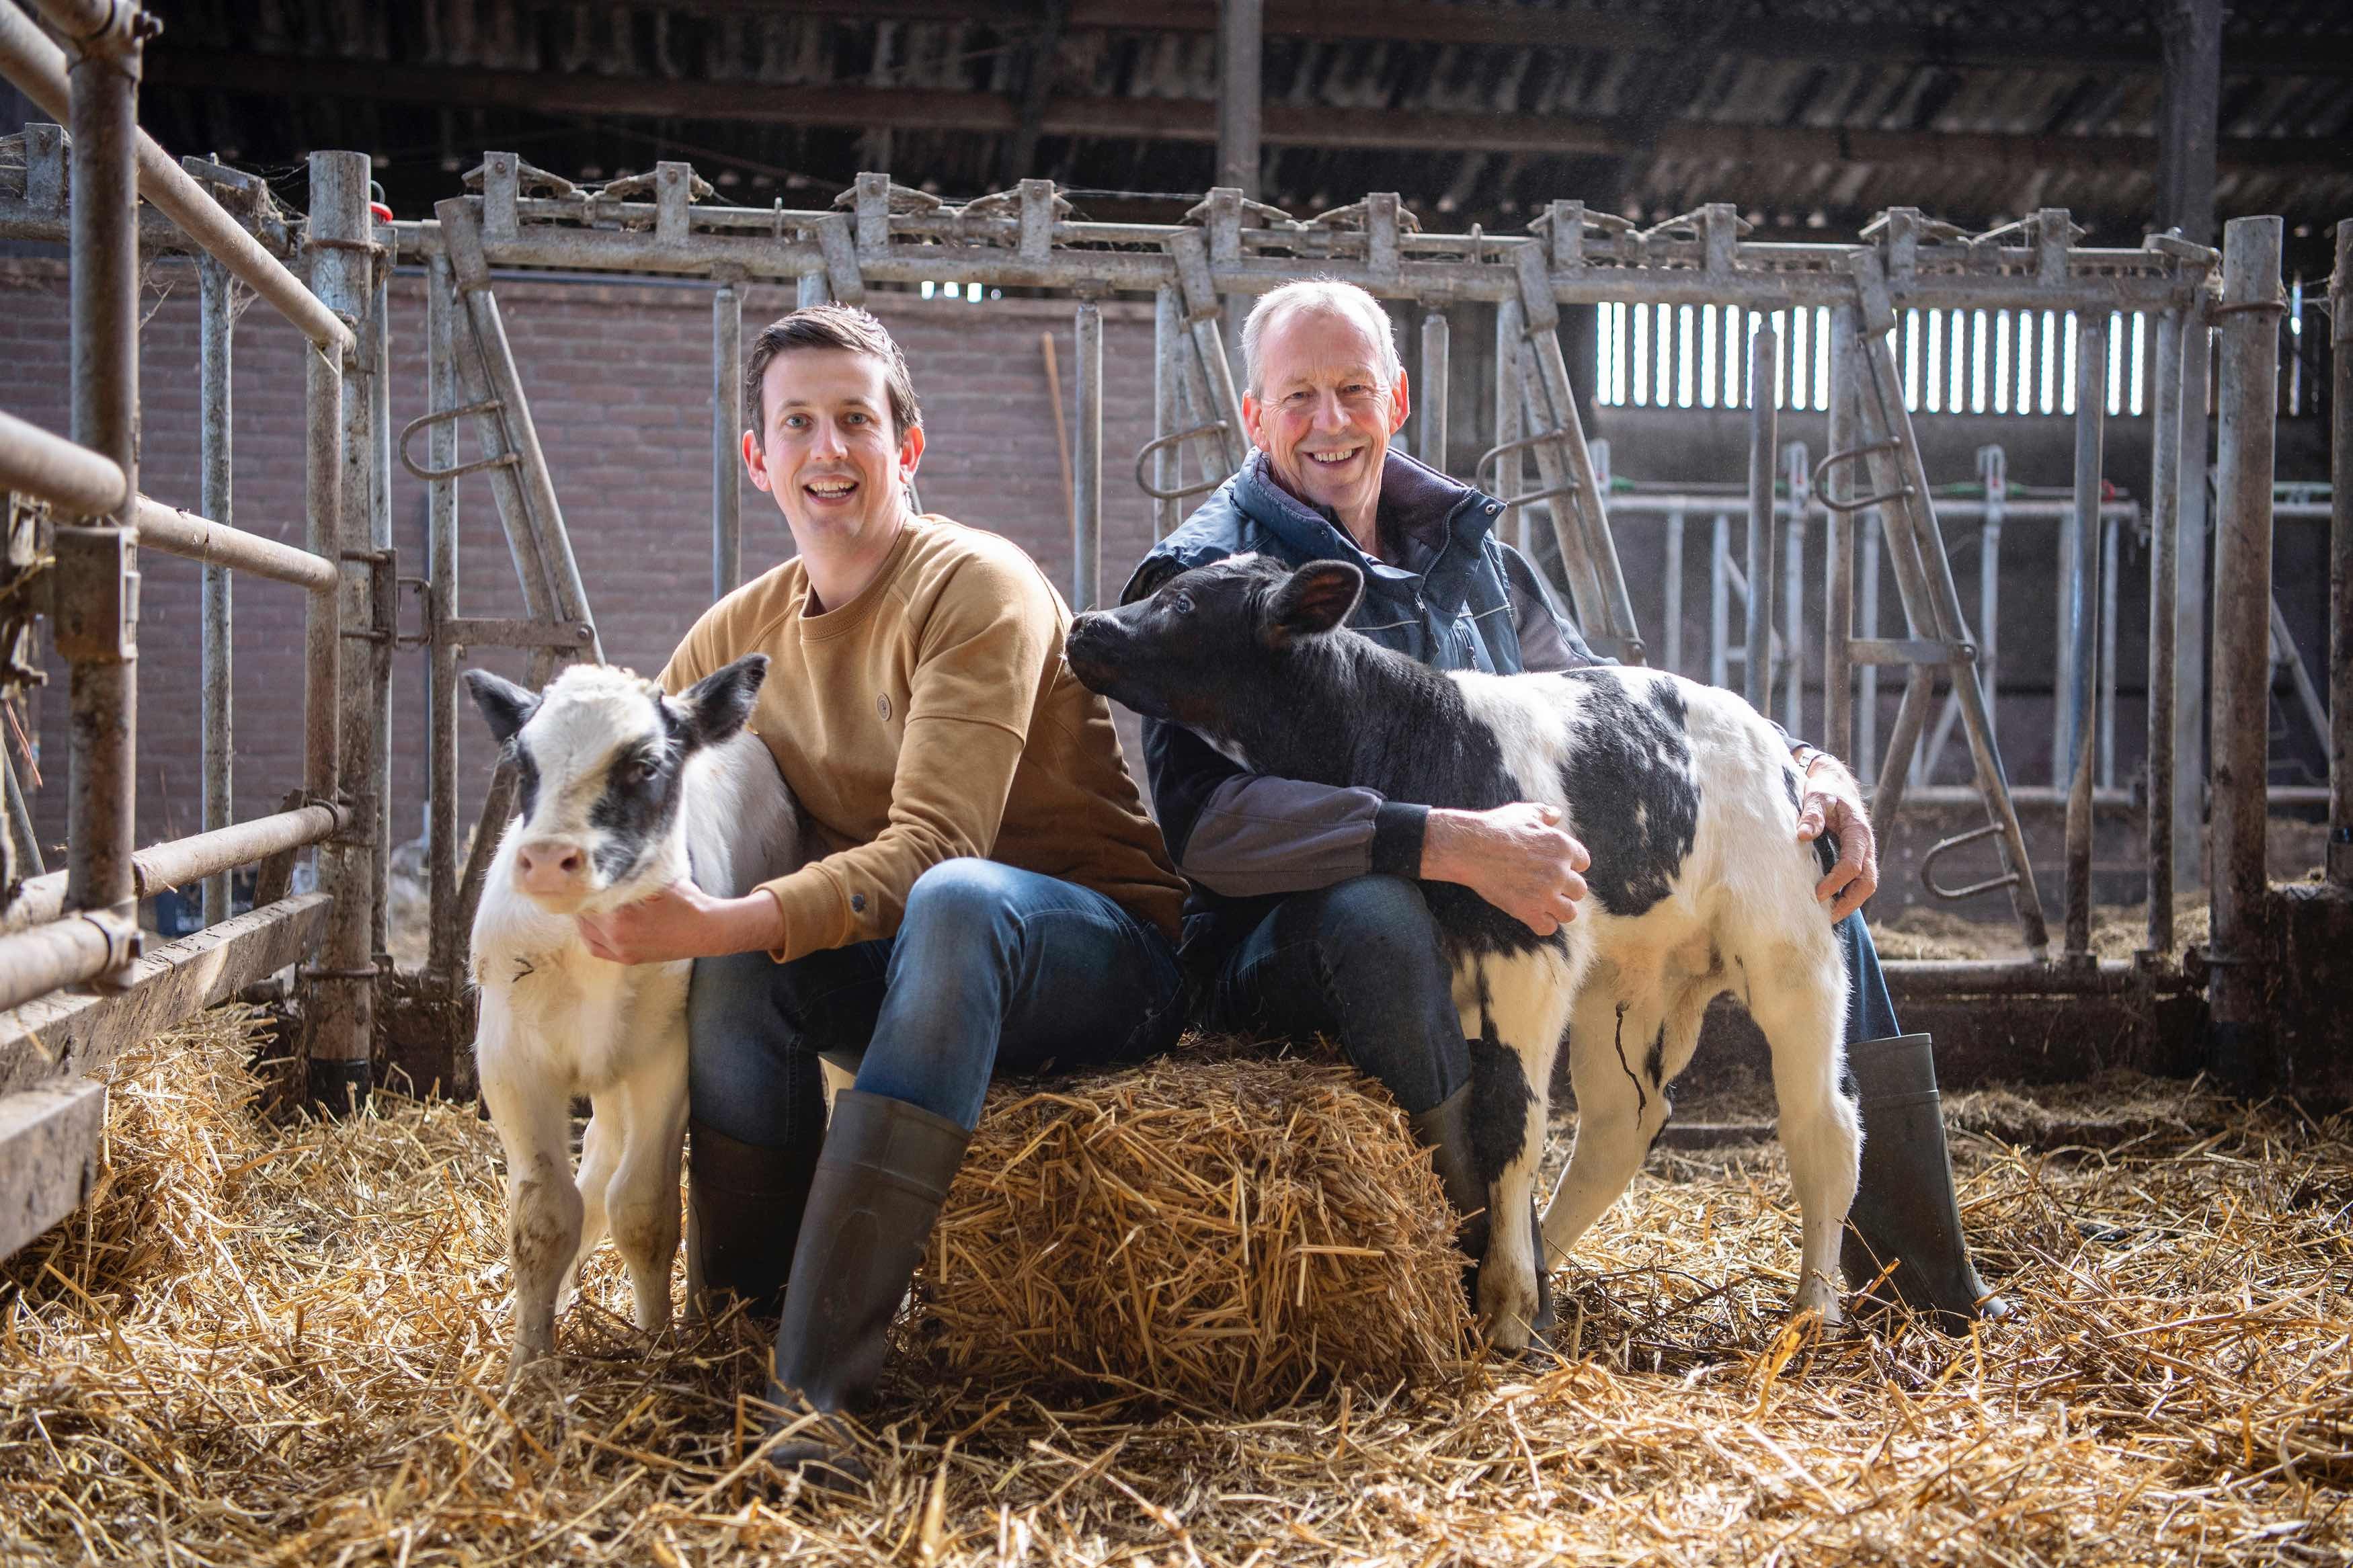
(233, 1336)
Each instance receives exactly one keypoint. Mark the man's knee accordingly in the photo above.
(1377, 929)
(958, 905)
(728, 1000)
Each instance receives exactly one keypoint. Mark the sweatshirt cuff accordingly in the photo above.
(815, 914)
(1397, 831)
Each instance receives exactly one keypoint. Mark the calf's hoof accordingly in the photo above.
(1819, 1298)
(1511, 1313)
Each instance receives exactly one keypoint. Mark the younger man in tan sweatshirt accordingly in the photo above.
(997, 895)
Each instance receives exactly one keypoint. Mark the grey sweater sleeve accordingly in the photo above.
(1240, 834)
(1257, 835)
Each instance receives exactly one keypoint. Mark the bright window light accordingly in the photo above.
(1978, 364)
(1912, 360)
(1821, 357)
(1666, 382)
(1936, 355)
(2067, 364)
(2049, 402)
(2001, 362)
(1708, 357)
(2139, 378)
(1640, 354)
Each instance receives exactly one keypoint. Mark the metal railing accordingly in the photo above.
(79, 926)
(882, 234)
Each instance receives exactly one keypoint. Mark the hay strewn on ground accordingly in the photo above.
(304, 1368)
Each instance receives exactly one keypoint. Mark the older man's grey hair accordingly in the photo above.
(1318, 297)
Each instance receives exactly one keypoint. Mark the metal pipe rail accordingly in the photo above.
(69, 476)
(81, 483)
(1918, 977)
(38, 67)
(64, 952)
(1580, 268)
(180, 861)
(192, 538)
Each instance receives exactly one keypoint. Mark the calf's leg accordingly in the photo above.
(1798, 1000)
(1618, 1052)
(1513, 1012)
(600, 1153)
(643, 1194)
(544, 1209)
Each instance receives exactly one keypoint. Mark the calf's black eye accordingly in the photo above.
(1183, 604)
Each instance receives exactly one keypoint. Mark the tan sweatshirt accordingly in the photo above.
(929, 718)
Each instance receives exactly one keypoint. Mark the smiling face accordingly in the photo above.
(829, 451)
(1322, 412)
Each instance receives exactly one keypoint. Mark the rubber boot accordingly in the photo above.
(879, 1181)
(1904, 1209)
(1445, 1131)
(743, 1207)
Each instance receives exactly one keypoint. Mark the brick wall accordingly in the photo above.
(619, 380)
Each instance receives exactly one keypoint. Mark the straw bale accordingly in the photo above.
(308, 1373)
(1220, 1230)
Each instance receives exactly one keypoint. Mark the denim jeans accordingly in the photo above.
(993, 969)
(1360, 961)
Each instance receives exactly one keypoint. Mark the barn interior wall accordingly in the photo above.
(618, 376)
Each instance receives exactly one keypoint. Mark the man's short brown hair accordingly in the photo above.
(830, 326)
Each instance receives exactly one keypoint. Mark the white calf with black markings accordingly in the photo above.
(621, 792)
(1685, 798)
(1738, 915)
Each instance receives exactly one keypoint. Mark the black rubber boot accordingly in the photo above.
(744, 1209)
(880, 1180)
(1445, 1131)
(1904, 1209)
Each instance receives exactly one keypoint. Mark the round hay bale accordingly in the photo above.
(1225, 1231)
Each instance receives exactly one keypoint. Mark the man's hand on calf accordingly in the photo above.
(682, 922)
(1516, 857)
(1834, 805)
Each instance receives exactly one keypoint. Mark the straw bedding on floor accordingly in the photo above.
(285, 1345)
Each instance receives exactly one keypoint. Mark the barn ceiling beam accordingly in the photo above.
(1184, 119)
(1583, 27)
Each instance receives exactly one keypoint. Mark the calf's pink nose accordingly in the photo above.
(548, 866)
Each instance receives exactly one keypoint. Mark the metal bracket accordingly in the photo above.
(1947, 846)
(94, 596)
(425, 421)
(1479, 470)
(383, 595)
(48, 168)
(1855, 454)
(1144, 455)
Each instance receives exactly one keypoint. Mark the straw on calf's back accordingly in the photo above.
(622, 791)
(1685, 797)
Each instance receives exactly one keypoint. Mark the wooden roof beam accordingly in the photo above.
(1183, 120)
(1576, 27)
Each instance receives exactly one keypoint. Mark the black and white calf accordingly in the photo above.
(1685, 798)
(621, 791)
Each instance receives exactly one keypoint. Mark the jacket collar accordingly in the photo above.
(1421, 511)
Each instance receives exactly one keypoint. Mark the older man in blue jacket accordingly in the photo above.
(1307, 917)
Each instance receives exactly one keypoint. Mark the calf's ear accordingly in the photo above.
(717, 705)
(506, 706)
(1312, 600)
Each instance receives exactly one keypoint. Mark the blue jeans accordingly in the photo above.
(992, 968)
(1360, 961)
